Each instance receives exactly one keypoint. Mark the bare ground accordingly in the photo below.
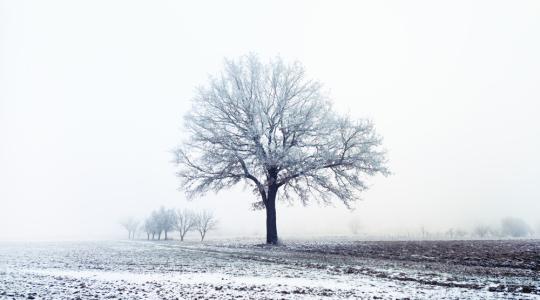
(245, 270)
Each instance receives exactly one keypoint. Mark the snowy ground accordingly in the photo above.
(298, 270)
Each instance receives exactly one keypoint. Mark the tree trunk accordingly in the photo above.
(271, 227)
(165, 235)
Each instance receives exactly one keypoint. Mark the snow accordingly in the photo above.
(169, 270)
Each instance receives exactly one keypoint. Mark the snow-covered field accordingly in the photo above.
(299, 270)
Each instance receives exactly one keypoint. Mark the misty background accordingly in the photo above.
(92, 96)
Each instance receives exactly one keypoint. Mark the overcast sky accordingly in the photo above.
(92, 95)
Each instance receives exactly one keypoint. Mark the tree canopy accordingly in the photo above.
(272, 127)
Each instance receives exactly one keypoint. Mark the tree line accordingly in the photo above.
(509, 227)
(164, 221)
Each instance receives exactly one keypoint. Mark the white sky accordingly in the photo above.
(92, 95)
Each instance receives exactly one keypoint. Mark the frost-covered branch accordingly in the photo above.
(271, 127)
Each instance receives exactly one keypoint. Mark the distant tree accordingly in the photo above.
(450, 233)
(514, 227)
(423, 232)
(497, 233)
(130, 224)
(156, 225)
(355, 225)
(205, 222)
(271, 127)
(460, 233)
(149, 228)
(481, 231)
(166, 219)
(185, 221)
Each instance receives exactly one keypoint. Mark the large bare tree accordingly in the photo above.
(272, 127)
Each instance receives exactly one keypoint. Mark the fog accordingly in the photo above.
(92, 96)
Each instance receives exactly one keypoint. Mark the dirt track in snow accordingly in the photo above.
(244, 270)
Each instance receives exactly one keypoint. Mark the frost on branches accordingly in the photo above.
(270, 126)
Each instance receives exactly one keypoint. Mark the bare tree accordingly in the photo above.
(355, 225)
(460, 233)
(515, 227)
(482, 231)
(166, 218)
(185, 221)
(205, 222)
(156, 225)
(149, 228)
(130, 224)
(271, 127)
(451, 233)
(423, 232)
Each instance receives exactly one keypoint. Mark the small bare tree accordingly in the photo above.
(355, 225)
(271, 127)
(482, 231)
(148, 227)
(166, 220)
(185, 221)
(515, 227)
(460, 233)
(131, 225)
(156, 223)
(205, 221)
(450, 233)
(423, 232)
